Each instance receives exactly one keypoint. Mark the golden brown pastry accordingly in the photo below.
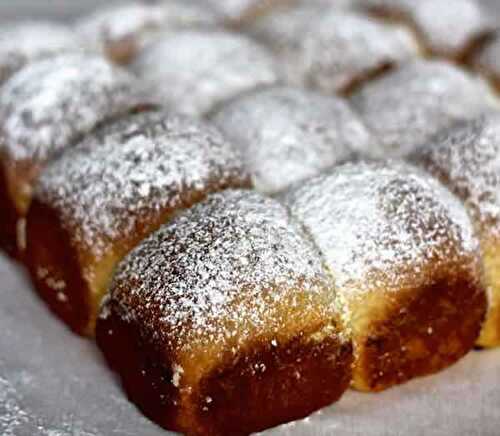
(286, 135)
(403, 255)
(241, 12)
(44, 109)
(449, 28)
(467, 160)
(27, 41)
(200, 70)
(331, 49)
(406, 107)
(97, 201)
(487, 60)
(228, 321)
(122, 30)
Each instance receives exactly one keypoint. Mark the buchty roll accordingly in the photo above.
(402, 253)
(466, 159)
(101, 198)
(44, 109)
(331, 49)
(28, 41)
(407, 107)
(286, 134)
(229, 321)
(445, 28)
(122, 30)
(200, 70)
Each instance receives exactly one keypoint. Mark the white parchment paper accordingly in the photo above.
(53, 383)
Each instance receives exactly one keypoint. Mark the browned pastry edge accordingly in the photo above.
(16, 179)
(433, 328)
(53, 258)
(53, 250)
(490, 250)
(7, 218)
(123, 51)
(241, 400)
(256, 11)
(357, 81)
(473, 61)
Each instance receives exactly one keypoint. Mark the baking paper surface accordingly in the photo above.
(53, 383)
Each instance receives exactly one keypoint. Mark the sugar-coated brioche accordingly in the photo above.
(406, 107)
(101, 198)
(449, 28)
(403, 255)
(287, 134)
(467, 160)
(228, 320)
(27, 41)
(331, 49)
(44, 109)
(199, 70)
(123, 29)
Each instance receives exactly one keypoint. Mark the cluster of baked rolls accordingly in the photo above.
(253, 205)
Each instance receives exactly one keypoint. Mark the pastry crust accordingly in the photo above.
(201, 70)
(229, 320)
(122, 31)
(402, 253)
(466, 159)
(286, 135)
(444, 28)
(240, 13)
(486, 60)
(105, 195)
(408, 106)
(45, 109)
(330, 49)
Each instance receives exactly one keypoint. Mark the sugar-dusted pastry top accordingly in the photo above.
(384, 226)
(200, 69)
(140, 21)
(447, 27)
(467, 159)
(130, 171)
(330, 49)
(407, 107)
(222, 276)
(27, 41)
(286, 134)
(53, 102)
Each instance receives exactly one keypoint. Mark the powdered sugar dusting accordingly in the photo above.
(200, 70)
(330, 49)
(12, 415)
(27, 41)
(467, 159)
(287, 134)
(51, 103)
(223, 273)
(384, 226)
(142, 21)
(134, 170)
(407, 107)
